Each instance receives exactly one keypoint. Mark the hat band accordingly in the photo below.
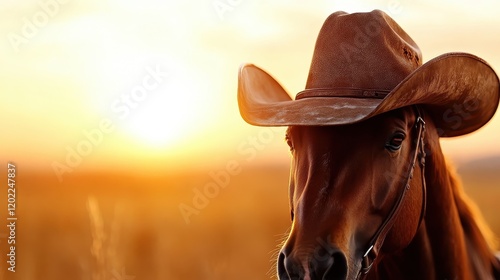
(342, 92)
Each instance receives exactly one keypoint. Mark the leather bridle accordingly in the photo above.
(378, 239)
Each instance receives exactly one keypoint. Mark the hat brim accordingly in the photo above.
(460, 92)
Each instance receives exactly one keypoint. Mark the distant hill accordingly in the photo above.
(480, 173)
(481, 181)
(488, 164)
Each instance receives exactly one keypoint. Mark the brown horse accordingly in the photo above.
(370, 191)
(345, 181)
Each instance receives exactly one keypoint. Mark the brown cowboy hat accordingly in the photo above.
(363, 65)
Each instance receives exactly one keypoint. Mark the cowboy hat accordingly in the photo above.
(364, 64)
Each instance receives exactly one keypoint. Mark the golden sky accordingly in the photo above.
(152, 84)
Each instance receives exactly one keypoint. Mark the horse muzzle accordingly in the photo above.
(325, 262)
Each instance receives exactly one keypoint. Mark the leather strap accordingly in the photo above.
(378, 239)
(342, 92)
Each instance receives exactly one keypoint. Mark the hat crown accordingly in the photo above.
(364, 65)
(362, 50)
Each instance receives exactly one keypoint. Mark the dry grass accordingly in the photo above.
(105, 241)
(117, 227)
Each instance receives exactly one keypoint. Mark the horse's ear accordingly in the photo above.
(256, 90)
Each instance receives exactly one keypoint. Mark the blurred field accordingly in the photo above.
(124, 227)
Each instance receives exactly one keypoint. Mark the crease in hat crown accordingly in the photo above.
(365, 64)
(362, 51)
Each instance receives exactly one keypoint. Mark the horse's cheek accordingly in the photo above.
(380, 194)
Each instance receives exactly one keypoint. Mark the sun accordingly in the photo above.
(172, 112)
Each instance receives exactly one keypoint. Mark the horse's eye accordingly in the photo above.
(395, 141)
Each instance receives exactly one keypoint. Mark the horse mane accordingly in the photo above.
(479, 239)
(475, 228)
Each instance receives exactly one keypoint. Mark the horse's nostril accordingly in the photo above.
(328, 263)
(289, 269)
(282, 274)
(338, 268)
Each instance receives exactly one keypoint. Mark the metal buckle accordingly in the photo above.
(366, 264)
(420, 120)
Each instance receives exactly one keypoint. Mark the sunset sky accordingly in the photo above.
(151, 85)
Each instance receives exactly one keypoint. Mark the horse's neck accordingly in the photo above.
(414, 262)
(449, 244)
(455, 228)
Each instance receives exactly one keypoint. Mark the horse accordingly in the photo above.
(371, 193)
(377, 199)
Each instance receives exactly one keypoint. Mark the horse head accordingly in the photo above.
(345, 181)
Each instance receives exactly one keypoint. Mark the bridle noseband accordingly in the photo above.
(378, 239)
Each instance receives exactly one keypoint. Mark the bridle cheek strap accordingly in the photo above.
(378, 239)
